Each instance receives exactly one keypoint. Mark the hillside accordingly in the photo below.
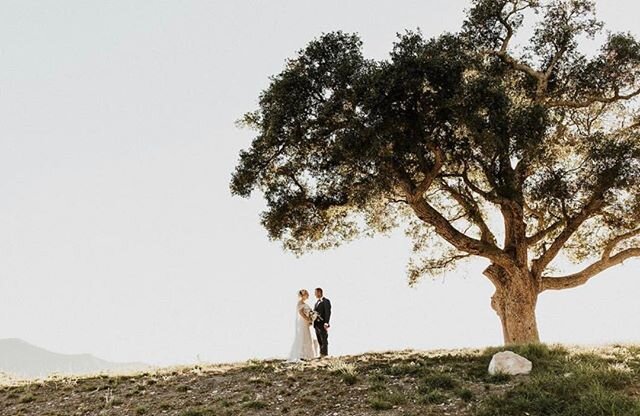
(23, 360)
(563, 383)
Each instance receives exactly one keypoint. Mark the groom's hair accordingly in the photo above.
(319, 289)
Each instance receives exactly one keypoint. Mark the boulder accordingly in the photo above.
(508, 362)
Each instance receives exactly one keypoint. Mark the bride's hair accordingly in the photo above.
(301, 293)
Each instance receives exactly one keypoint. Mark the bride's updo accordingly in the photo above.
(302, 293)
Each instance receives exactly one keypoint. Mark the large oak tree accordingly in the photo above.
(519, 152)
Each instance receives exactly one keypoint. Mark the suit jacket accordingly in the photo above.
(323, 307)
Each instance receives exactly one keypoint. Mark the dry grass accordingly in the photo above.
(564, 382)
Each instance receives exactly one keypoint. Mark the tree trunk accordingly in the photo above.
(515, 303)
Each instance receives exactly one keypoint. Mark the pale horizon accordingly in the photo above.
(120, 237)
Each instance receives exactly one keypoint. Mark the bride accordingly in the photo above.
(303, 346)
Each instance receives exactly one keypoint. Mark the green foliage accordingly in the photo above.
(333, 127)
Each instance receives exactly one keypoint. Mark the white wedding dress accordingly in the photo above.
(303, 345)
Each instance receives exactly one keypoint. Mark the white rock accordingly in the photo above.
(508, 362)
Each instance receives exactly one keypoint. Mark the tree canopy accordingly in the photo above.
(479, 145)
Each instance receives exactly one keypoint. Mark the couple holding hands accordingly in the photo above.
(305, 345)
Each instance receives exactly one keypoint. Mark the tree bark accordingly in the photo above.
(515, 303)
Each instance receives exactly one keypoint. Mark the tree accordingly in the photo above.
(520, 158)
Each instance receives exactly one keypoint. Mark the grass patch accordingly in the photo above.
(254, 404)
(439, 381)
(466, 395)
(141, 410)
(433, 397)
(377, 378)
(584, 385)
(405, 369)
(377, 386)
(498, 378)
(387, 399)
(27, 398)
(378, 403)
(260, 381)
(257, 366)
(349, 379)
(347, 372)
(225, 403)
(198, 412)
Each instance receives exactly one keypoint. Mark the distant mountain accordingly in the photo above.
(21, 359)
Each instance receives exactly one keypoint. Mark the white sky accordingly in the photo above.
(118, 235)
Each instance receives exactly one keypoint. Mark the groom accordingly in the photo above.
(321, 325)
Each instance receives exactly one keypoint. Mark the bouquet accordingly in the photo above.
(313, 316)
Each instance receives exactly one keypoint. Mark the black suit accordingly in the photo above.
(323, 308)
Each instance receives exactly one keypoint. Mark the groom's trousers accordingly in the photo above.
(323, 339)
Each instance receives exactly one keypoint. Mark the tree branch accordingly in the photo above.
(580, 278)
(459, 240)
(611, 245)
(473, 211)
(504, 20)
(488, 195)
(504, 55)
(542, 234)
(554, 61)
(539, 264)
(513, 63)
(432, 174)
(592, 100)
